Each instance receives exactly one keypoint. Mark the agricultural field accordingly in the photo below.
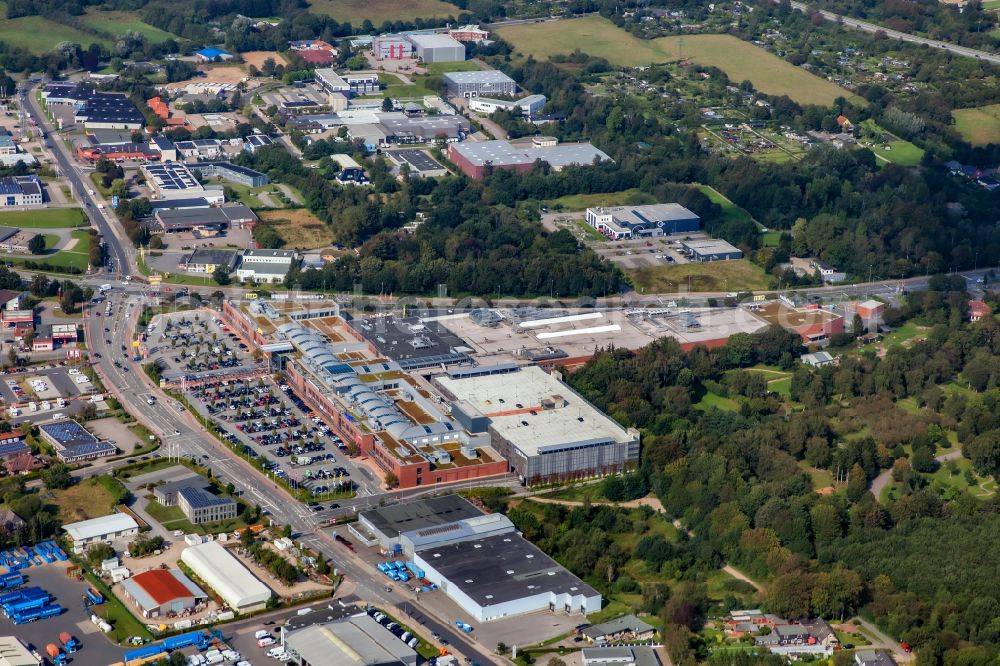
(356, 11)
(738, 275)
(48, 218)
(119, 23)
(40, 35)
(299, 228)
(738, 59)
(980, 125)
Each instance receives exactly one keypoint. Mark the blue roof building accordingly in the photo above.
(211, 54)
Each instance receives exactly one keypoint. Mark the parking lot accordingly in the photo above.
(41, 392)
(68, 593)
(193, 343)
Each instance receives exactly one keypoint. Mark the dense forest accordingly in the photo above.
(741, 480)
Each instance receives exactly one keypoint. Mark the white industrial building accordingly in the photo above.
(97, 530)
(233, 582)
(437, 48)
(528, 106)
(265, 265)
(557, 435)
(505, 575)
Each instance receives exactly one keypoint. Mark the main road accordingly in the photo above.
(97, 209)
(858, 24)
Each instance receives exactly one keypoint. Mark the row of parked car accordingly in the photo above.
(397, 631)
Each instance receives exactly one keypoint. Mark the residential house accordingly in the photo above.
(625, 628)
(818, 359)
(873, 658)
(979, 310)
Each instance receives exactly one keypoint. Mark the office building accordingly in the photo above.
(99, 110)
(626, 222)
(201, 149)
(435, 47)
(392, 47)
(207, 260)
(469, 33)
(74, 443)
(545, 430)
(20, 191)
(388, 523)
(201, 506)
(479, 83)
(175, 181)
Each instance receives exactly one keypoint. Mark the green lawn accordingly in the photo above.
(40, 35)
(771, 238)
(979, 125)
(119, 23)
(439, 68)
(710, 400)
(78, 257)
(891, 148)
(631, 197)
(738, 275)
(50, 240)
(124, 624)
(377, 11)
(738, 59)
(46, 218)
(731, 211)
(396, 89)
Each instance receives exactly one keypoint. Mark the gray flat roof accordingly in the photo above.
(478, 76)
(501, 153)
(357, 641)
(502, 568)
(711, 246)
(394, 520)
(433, 41)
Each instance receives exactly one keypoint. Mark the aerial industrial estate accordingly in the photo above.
(447, 333)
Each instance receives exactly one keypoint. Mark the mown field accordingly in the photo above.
(739, 275)
(738, 59)
(49, 218)
(377, 11)
(980, 125)
(119, 23)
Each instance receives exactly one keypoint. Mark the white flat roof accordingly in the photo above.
(95, 527)
(14, 653)
(509, 399)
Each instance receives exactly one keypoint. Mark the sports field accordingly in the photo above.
(40, 35)
(119, 23)
(738, 59)
(47, 218)
(980, 125)
(377, 11)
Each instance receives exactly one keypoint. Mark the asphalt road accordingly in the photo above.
(904, 36)
(71, 171)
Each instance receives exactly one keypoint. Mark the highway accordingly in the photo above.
(119, 249)
(858, 24)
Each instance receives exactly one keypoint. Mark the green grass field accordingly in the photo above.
(77, 257)
(48, 218)
(738, 59)
(119, 23)
(396, 89)
(40, 35)
(893, 149)
(377, 11)
(738, 275)
(710, 400)
(771, 238)
(731, 211)
(632, 197)
(439, 68)
(980, 125)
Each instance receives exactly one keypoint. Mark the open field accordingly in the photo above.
(738, 59)
(377, 11)
(48, 218)
(632, 197)
(893, 149)
(730, 210)
(87, 499)
(119, 23)
(439, 68)
(299, 228)
(739, 275)
(980, 125)
(75, 256)
(40, 35)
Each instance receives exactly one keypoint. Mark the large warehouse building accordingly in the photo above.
(625, 222)
(354, 641)
(545, 430)
(479, 82)
(477, 158)
(239, 589)
(96, 530)
(477, 559)
(437, 48)
(505, 575)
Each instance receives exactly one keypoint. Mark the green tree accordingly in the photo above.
(221, 275)
(57, 477)
(387, 104)
(287, 531)
(984, 452)
(37, 244)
